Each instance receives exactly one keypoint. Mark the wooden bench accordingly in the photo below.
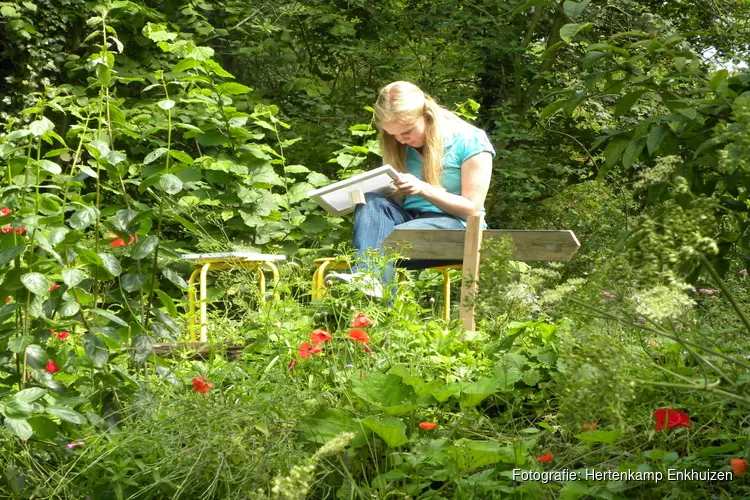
(463, 247)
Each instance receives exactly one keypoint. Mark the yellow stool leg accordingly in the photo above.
(320, 289)
(191, 305)
(275, 272)
(261, 284)
(314, 292)
(204, 305)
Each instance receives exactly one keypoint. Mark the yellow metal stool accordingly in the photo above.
(204, 262)
(326, 263)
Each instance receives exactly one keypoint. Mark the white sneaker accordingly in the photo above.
(367, 283)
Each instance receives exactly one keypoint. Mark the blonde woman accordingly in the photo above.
(445, 166)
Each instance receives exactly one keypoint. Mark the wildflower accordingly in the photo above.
(54, 287)
(61, 335)
(51, 367)
(6, 230)
(202, 385)
(739, 466)
(20, 230)
(319, 336)
(672, 418)
(291, 366)
(7, 300)
(306, 350)
(367, 349)
(5, 211)
(706, 291)
(361, 320)
(349, 366)
(589, 427)
(547, 457)
(358, 336)
(119, 242)
(607, 294)
(428, 426)
(73, 445)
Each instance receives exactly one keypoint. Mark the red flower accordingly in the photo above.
(119, 242)
(51, 367)
(428, 426)
(6, 230)
(739, 467)
(367, 349)
(5, 211)
(202, 385)
(62, 335)
(547, 457)
(7, 299)
(672, 418)
(54, 287)
(358, 336)
(291, 366)
(21, 230)
(589, 427)
(319, 336)
(361, 320)
(306, 350)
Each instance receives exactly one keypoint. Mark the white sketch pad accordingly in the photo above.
(335, 197)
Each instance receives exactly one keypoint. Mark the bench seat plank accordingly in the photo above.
(448, 244)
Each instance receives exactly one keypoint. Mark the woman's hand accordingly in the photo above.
(409, 184)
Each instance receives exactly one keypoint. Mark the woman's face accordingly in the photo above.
(411, 134)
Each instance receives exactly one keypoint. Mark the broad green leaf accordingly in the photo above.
(181, 156)
(232, 88)
(143, 348)
(18, 344)
(717, 450)
(116, 157)
(166, 104)
(144, 247)
(627, 101)
(36, 357)
(124, 218)
(470, 455)
(20, 428)
(444, 392)
(67, 414)
(44, 428)
(41, 127)
(72, 277)
(549, 51)
(691, 113)
(382, 390)
(57, 235)
(473, 394)
(391, 429)
(95, 350)
(317, 179)
(574, 9)
(655, 137)
(296, 169)
(608, 437)
(83, 218)
(154, 155)
(50, 166)
(110, 316)
(68, 309)
(174, 277)
(632, 152)
(327, 423)
(185, 65)
(30, 395)
(111, 263)
(613, 151)
(718, 79)
(36, 283)
(568, 31)
(170, 184)
(9, 254)
(132, 282)
(530, 4)
(551, 109)
(16, 408)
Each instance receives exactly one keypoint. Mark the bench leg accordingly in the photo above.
(191, 305)
(204, 304)
(446, 295)
(470, 274)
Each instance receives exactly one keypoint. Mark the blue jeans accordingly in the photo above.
(375, 220)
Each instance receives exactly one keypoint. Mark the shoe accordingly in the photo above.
(367, 283)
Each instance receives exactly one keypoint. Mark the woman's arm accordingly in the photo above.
(475, 181)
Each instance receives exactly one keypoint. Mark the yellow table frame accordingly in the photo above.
(203, 265)
(326, 263)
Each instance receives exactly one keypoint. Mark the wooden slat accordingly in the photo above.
(448, 244)
(470, 273)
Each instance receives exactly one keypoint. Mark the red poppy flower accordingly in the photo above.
(119, 242)
(306, 350)
(62, 335)
(21, 230)
(291, 366)
(739, 467)
(6, 230)
(51, 367)
(428, 426)
(547, 457)
(672, 418)
(202, 385)
(358, 336)
(54, 287)
(7, 299)
(589, 427)
(319, 336)
(361, 320)
(5, 211)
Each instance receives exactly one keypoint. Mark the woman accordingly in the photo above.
(445, 166)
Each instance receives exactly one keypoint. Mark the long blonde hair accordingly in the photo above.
(404, 103)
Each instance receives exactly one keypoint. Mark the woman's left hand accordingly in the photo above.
(410, 185)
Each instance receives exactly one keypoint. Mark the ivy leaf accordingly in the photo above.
(170, 184)
(144, 247)
(67, 414)
(391, 429)
(36, 283)
(568, 31)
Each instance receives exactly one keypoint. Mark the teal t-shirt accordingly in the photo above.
(457, 148)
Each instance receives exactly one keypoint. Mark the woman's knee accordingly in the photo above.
(374, 202)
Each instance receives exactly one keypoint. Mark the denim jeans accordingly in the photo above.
(375, 220)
